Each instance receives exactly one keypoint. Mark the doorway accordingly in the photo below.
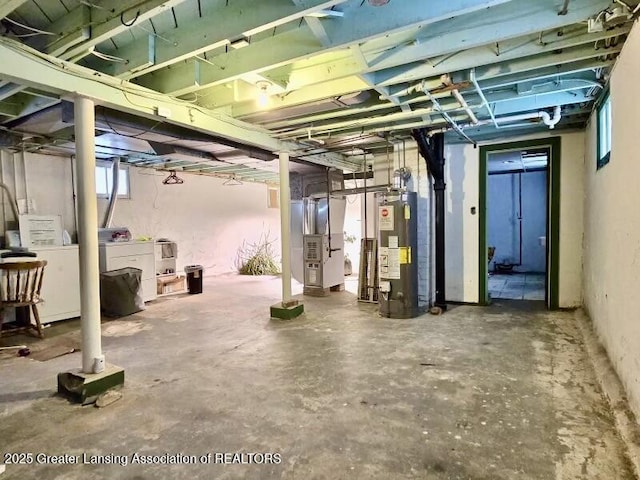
(519, 220)
(517, 224)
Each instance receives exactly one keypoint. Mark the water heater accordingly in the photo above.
(398, 254)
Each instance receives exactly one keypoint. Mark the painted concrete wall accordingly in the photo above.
(571, 219)
(208, 220)
(38, 185)
(462, 229)
(503, 226)
(461, 224)
(612, 226)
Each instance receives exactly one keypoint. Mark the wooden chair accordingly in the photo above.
(20, 284)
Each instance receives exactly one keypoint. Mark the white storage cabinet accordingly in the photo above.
(115, 255)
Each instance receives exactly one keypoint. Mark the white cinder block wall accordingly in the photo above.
(39, 184)
(612, 226)
(207, 219)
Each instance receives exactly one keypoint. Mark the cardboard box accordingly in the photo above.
(171, 284)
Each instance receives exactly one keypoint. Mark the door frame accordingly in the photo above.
(553, 216)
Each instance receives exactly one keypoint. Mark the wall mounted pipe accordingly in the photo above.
(463, 103)
(432, 150)
(12, 201)
(547, 119)
(542, 115)
(485, 102)
(115, 185)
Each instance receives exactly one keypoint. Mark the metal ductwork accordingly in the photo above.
(106, 118)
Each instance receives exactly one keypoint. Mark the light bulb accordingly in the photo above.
(263, 94)
(263, 99)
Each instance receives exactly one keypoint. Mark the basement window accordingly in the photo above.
(604, 132)
(273, 194)
(104, 180)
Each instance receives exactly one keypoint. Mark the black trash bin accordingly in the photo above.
(194, 278)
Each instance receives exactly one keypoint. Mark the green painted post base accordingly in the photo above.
(288, 312)
(85, 388)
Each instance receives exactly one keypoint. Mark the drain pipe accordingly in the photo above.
(12, 202)
(432, 150)
(548, 120)
(551, 122)
(115, 184)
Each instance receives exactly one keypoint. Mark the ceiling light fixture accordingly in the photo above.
(263, 93)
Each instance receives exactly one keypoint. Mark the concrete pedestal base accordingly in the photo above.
(286, 312)
(86, 387)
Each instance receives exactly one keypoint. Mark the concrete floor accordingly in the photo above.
(517, 286)
(502, 392)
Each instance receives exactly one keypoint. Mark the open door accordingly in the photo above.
(519, 221)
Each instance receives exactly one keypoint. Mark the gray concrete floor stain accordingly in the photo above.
(496, 393)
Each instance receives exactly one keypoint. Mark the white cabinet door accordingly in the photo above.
(60, 283)
(114, 256)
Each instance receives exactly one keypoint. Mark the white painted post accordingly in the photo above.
(285, 226)
(92, 358)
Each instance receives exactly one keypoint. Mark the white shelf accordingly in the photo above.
(163, 275)
(165, 263)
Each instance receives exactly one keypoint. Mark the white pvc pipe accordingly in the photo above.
(463, 103)
(285, 226)
(549, 121)
(92, 358)
(542, 115)
(485, 102)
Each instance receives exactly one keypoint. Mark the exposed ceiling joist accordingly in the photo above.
(488, 55)
(8, 6)
(343, 76)
(67, 79)
(107, 23)
(246, 16)
(300, 43)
